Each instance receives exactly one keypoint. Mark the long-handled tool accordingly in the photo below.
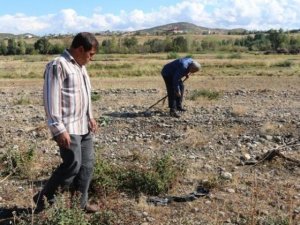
(162, 98)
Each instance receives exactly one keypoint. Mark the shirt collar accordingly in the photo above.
(68, 56)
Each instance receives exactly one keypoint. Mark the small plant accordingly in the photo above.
(275, 221)
(18, 162)
(155, 180)
(211, 95)
(104, 121)
(220, 56)
(105, 217)
(95, 96)
(65, 212)
(235, 56)
(172, 55)
(286, 63)
(23, 101)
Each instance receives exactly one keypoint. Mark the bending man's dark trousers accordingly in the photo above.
(76, 169)
(174, 101)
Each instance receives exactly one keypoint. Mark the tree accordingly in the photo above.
(278, 39)
(3, 47)
(156, 45)
(21, 47)
(11, 46)
(130, 42)
(42, 45)
(180, 44)
(109, 45)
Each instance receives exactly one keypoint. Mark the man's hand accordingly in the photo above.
(178, 94)
(63, 140)
(93, 125)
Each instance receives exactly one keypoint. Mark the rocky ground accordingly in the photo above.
(229, 139)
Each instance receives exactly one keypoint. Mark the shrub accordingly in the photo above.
(172, 55)
(135, 179)
(18, 161)
(235, 56)
(65, 212)
(23, 101)
(105, 217)
(211, 95)
(95, 96)
(286, 63)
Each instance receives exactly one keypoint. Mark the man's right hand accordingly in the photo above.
(63, 140)
(178, 94)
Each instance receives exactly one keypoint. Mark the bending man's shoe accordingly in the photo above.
(173, 113)
(181, 109)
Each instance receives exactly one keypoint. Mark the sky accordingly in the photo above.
(43, 17)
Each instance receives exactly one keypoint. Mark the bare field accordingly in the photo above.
(222, 142)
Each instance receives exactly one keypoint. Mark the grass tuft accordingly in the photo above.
(211, 95)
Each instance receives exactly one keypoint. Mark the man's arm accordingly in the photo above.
(52, 98)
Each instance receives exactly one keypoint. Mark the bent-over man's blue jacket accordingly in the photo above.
(175, 70)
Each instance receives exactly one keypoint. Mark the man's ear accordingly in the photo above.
(81, 49)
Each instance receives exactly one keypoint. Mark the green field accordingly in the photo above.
(138, 65)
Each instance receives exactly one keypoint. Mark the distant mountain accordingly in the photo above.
(8, 35)
(184, 27)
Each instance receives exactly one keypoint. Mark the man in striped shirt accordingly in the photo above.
(67, 102)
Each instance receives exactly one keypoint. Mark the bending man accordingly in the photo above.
(173, 73)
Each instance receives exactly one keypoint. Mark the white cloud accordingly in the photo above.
(253, 15)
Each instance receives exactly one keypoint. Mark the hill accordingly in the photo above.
(184, 27)
(8, 35)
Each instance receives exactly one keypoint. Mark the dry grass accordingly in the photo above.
(266, 192)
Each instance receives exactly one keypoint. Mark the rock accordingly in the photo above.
(226, 175)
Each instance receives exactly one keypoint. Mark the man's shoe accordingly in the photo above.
(89, 208)
(181, 109)
(174, 114)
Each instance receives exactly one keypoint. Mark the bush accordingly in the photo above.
(172, 55)
(18, 161)
(286, 63)
(135, 179)
(65, 212)
(211, 95)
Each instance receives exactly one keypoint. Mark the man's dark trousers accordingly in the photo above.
(174, 101)
(76, 169)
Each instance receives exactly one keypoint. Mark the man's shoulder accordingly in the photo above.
(57, 60)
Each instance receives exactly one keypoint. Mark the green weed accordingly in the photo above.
(173, 55)
(65, 212)
(211, 95)
(18, 162)
(134, 179)
(286, 63)
(23, 101)
(95, 96)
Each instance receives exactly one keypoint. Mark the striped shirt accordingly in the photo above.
(67, 96)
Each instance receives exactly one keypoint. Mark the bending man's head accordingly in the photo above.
(194, 67)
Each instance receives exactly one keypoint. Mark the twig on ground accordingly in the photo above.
(5, 178)
(276, 152)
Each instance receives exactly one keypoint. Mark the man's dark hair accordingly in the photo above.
(86, 40)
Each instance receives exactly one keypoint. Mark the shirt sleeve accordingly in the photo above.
(52, 97)
(89, 89)
(180, 72)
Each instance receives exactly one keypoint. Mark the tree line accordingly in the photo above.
(270, 41)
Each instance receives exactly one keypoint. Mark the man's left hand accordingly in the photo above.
(93, 125)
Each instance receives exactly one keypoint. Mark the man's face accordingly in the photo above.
(86, 56)
(193, 69)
